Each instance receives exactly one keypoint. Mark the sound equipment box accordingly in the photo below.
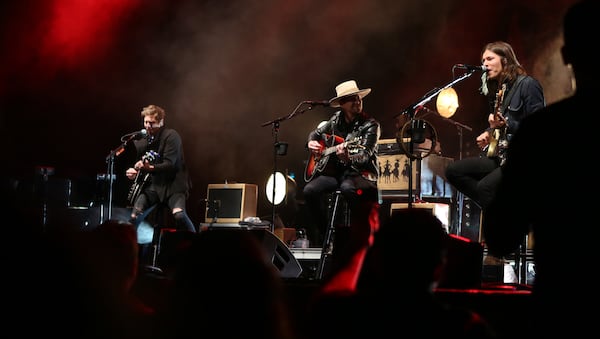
(230, 203)
(171, 242)
(441, 211)
(395, 167)
(464, 264)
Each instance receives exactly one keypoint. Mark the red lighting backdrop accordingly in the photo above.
(74, 74)
(81, 31)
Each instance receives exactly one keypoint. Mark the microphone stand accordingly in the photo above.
(460, 197)
(110, 160)
(280, 148)
(411, 110)
(45, 172)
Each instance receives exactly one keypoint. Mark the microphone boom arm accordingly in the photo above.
(295, 112)
(431, 94)
(411, 110)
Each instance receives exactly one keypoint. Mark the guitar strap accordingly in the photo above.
(334, 119)
(505, 104)
(365, 126)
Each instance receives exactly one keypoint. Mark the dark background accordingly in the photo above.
(74, 76)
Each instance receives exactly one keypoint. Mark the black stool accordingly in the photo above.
(338, 214)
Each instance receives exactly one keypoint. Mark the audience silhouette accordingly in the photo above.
(224, 286)
(395, 289)
(564, 252)
(111, 258)
(79, 284)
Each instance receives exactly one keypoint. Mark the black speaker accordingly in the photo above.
(463, 266)
(172, 241)
(471, 221)
(280, 255)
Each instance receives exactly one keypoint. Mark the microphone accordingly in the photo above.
(135, 135)
(471, 68)
(317, 103)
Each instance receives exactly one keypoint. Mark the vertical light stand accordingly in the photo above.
(280, 148)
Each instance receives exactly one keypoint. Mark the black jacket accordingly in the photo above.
(170, 174)
(365, 131)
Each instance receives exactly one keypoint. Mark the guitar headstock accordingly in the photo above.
(354, 147)
(151, 156)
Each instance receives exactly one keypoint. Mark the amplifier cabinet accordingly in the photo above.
(394, 173)
(395, 168)
(230, 203)
(441, 211)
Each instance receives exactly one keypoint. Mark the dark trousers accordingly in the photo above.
(361, 197)
(149, 200)
(475, 177)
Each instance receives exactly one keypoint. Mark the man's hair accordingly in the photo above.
(154, 110)
(510, 63)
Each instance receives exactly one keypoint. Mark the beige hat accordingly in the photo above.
(345, 89)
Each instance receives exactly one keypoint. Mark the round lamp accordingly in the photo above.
(280, 188)
(447, 102)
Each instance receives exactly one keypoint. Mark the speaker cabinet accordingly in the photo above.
(463, 268)
(396, 167)
(470, 227)
(172, 241)
(279, 254)
(230, 203)
(441, 211)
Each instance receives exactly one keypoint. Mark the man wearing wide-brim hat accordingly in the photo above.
(343, 156)
(346, 89)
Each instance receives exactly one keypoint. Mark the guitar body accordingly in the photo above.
(141, 179)
(317, 163)
(498, 142)
(136, 189)
(498, 145)
(492, 148)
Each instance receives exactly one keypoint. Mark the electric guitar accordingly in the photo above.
(498, 142)
(317, 162)
(141, 179)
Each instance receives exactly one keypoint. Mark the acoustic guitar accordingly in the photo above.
(318, 162)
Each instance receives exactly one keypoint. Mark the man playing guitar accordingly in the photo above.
(512, 95)
(161, 163)
(494, 142)
(344, 157)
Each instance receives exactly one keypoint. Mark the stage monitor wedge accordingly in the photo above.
(230, 203)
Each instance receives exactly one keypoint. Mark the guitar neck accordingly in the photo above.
(329, 150)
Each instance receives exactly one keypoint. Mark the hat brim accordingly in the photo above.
(335, 102)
